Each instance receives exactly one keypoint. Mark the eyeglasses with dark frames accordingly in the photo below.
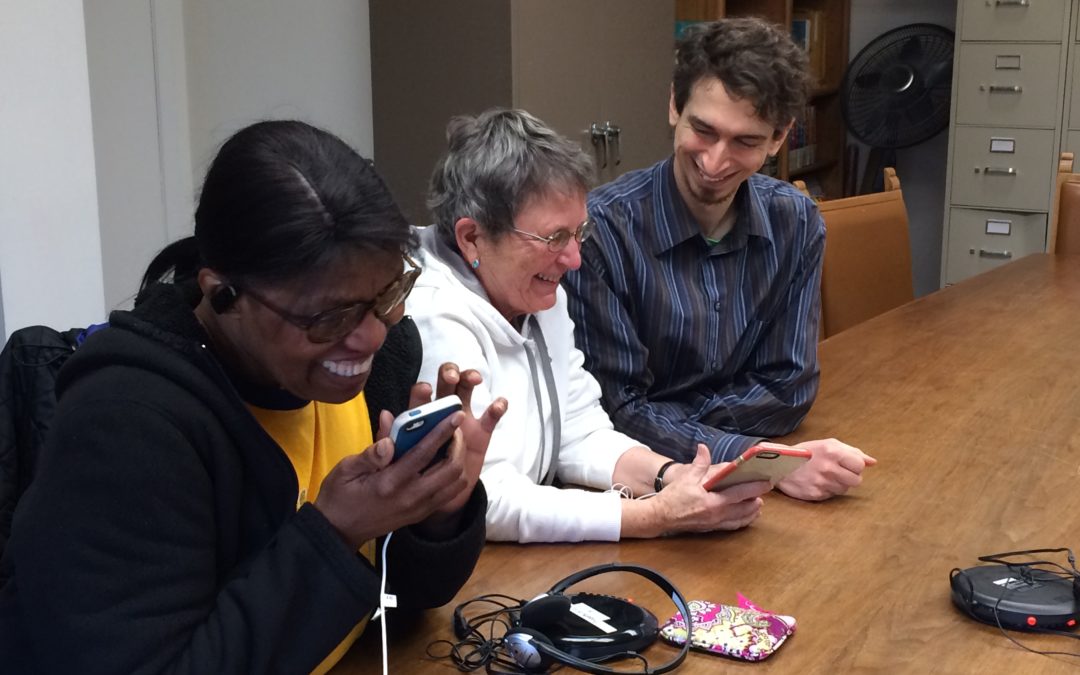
(336, 323)
(558, 241)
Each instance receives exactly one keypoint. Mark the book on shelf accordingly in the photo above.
(813, 186)
(771, 167)
(808, 31)
(802, 140)
(682, 25)
(800, 33)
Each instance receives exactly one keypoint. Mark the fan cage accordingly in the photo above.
(896, 91)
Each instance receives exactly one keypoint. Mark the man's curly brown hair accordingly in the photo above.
(754, 59)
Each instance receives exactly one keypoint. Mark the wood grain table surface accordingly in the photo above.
(970, 400)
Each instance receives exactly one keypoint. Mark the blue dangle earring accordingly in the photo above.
(475, 263)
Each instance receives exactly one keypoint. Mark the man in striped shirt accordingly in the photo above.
(697, 302)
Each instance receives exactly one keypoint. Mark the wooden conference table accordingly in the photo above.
(970, 400)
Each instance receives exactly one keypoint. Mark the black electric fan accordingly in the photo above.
(895, 93)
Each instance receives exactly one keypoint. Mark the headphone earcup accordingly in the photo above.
(529, 648)
(544, 611)
(223, 298)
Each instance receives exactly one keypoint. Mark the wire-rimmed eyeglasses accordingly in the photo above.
(559, 240)
(334, 324)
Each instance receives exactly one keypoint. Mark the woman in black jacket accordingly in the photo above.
(202, 504)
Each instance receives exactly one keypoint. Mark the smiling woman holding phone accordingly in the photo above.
(213, 486)
(508, 201)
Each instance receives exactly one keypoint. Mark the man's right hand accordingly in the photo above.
(834, 468)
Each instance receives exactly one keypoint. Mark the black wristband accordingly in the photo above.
(658, 483)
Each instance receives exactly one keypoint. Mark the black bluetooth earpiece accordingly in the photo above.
(223, 298)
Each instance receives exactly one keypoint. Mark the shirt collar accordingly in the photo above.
(675, 224)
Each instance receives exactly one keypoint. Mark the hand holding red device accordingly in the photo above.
(765, 461)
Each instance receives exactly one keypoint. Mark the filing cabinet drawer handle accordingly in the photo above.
(1006, 88)
(997, 170)
(1000, 255)
(1013, 3)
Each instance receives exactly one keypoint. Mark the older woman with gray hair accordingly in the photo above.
(508, 201)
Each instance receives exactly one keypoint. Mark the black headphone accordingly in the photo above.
(535, 652)
(223, 298)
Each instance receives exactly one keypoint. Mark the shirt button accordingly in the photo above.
(718, 306)
(715, 365)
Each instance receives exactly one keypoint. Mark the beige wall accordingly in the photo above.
(257, 59)
(50, 251)
(171, 81)
(142, 147)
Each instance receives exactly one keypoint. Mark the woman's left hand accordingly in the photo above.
(469, 447)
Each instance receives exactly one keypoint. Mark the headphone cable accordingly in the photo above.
(1027, 573)
(476, 647)
(385, 601)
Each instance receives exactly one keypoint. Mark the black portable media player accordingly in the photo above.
(1020, 598)
(596, 626)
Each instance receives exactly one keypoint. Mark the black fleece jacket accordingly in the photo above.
(161, 533)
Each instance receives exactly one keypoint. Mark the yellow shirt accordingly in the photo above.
(315, 438)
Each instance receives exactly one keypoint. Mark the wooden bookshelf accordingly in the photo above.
(824, 124)
(698, 10)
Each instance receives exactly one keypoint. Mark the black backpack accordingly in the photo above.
(28, 366)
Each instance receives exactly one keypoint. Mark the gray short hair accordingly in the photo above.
(497, 161)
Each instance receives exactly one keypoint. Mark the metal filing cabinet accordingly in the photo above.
(1013, 62)
(1071, 142)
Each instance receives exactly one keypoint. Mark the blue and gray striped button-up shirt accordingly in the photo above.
(693, 343)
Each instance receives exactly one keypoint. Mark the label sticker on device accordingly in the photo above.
(593, 616)
(1012, 583)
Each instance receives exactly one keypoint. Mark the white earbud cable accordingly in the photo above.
(386, 601)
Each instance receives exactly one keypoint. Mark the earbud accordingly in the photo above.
(223, 298)
(528, 648)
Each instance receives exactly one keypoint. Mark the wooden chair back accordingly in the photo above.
(867, 267)
(1064, 233)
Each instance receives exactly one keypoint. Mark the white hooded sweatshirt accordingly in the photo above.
(457, 323)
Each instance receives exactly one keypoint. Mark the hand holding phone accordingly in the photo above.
(412, 425)
(765, 461)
